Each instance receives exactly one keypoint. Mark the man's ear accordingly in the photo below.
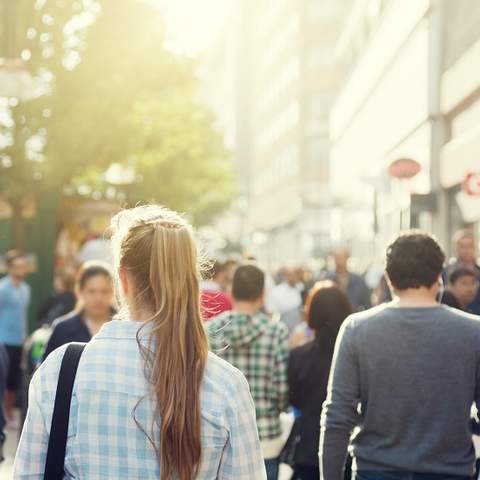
(122, 275)
(261, 299)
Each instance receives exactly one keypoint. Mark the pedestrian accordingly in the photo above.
(285, 299)
(327, 306)
(14, 302)
(3, 385)
(148, 401)
(287, 295)
(61, 302)
(257, 346)
(404, 377)
(353, 284)
(465, 256)
(462, 288)
(230, 267)
(95, 300)
(214, 297)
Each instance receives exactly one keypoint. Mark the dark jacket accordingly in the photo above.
(56, 306)
(474, 307)
(448, 298)
(70, 328)
(357, 291)
(308, 371)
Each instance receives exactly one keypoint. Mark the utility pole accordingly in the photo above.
(436, 48)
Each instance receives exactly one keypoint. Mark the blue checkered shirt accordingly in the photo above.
(103, 440)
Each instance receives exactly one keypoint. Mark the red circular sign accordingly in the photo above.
(404, 168)
(472, 184)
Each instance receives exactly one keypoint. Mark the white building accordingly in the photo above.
(411, 77)
(285, 79)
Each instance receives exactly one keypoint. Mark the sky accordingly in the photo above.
(192, 25)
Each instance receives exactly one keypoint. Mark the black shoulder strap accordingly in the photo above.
(57, 443)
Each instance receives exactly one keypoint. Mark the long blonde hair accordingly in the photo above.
(157, 249)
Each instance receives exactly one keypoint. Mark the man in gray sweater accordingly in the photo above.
(404, 378)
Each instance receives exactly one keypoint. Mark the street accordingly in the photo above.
(6, 468)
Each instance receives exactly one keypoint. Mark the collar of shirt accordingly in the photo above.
(123, 329)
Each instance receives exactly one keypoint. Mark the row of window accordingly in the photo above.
(280, 124)
(273, 91)
(285, 165)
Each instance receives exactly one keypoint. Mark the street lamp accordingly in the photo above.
(15, 79)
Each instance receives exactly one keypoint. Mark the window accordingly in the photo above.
(318, 149)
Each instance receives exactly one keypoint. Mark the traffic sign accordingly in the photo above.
(471, 185)
(404, 168)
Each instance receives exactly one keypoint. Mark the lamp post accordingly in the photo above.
(15, 80)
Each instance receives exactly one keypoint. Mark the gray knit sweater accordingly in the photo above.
(407, 378)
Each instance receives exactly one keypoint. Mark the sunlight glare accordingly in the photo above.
(193, 25)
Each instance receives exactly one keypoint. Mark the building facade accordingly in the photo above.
(293, 82)
(460, 103)
(411, 93)
(274, 102)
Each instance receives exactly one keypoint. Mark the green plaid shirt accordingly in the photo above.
(258, 347)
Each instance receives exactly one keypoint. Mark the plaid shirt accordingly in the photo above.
(103, 439)
(258, 347)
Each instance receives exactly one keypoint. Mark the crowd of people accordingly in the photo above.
(185, 376)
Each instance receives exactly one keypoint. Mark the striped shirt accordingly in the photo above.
(104, 441)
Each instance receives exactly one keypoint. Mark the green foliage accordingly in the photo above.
(117, 96)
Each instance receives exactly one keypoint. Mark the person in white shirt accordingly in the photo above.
(285, 299)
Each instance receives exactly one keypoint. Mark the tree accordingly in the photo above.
(117, 96)
(45, 40)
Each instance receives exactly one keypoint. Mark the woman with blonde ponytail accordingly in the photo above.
(149, 401)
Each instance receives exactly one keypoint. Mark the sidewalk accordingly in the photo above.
(6, 468)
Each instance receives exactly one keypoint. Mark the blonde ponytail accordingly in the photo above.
(157, 248)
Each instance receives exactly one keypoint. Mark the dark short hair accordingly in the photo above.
(13, 255)
(327, 306)
(459, 273)
(248, 283)
(92, 269)
(414, 260)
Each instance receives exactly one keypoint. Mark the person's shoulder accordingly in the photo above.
(66, 322)
(357, 278)
(374, 314)
(271, 328)
(459, 317)
(302, 351)
(46, 377)
(276, 328)
(359, 321)
(221, 376)
(278, 288)
(4, 283)
(214, 328)
(218, 321)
